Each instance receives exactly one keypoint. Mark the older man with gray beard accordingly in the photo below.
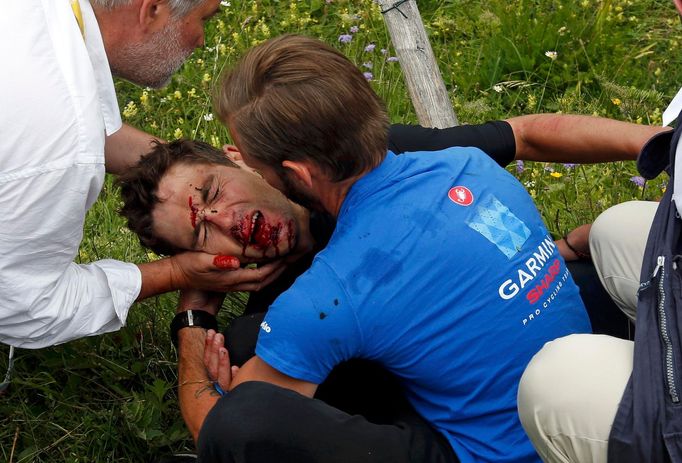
(60, 130)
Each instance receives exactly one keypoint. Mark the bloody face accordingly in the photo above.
(224, 210)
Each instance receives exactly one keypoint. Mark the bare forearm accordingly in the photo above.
(578, 139)
(124, 148)
(195, 391)
(158, 277)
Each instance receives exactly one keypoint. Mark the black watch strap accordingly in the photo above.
(191, 318)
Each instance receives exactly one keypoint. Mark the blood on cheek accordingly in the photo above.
(193, 211)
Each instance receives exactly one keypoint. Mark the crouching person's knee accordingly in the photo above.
(248, 424)
(569, 394)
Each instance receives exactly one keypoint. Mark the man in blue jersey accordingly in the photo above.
(444, 276)
(156, 192)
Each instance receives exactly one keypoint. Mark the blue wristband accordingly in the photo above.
(219, 389)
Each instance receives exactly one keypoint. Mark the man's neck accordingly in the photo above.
(332, 194)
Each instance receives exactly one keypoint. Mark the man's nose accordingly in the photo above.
(208, 214)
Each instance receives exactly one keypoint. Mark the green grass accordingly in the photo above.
(112, 398)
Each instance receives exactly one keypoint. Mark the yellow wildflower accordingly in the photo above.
(178, 133)
(556, 174)
(177, 94)
(616, 101)
(532, 101)
(130, 109)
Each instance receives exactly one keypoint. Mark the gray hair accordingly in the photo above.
(179, 8)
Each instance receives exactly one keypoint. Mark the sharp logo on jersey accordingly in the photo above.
(461, 195)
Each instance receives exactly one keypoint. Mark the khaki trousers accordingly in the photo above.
(570, 391)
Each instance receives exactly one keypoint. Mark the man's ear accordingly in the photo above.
(232, 152)
(302, 171)
(154, 15)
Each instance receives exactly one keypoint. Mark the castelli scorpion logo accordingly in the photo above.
(461, 195)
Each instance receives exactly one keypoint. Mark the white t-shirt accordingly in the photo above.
(669, 115)
(57, 101)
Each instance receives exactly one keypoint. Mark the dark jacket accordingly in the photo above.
(648, 424)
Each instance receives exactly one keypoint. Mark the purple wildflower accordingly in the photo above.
(519, 167)
(392, 59)
(384, 51)
(368, 65)
(637, 180)
(368, 75)
(569, 165)
(354, 29)
(549, 168)
(370, 48)
(345, 38)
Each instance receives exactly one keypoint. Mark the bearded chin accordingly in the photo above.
(298, 196)
(152, 63)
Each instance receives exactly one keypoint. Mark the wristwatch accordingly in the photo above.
(192, 318)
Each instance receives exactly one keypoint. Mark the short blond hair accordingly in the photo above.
(296, 98)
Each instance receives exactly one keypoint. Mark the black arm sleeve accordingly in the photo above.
(495, 138)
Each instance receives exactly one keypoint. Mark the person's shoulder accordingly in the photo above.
(312, 284)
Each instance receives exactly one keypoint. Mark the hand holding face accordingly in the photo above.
(198, 270)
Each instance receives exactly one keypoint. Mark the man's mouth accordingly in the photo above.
(257, 225)
(257, 232)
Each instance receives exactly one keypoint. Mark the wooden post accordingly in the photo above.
(424, 81)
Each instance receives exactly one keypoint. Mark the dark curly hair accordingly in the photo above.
(139, 185)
